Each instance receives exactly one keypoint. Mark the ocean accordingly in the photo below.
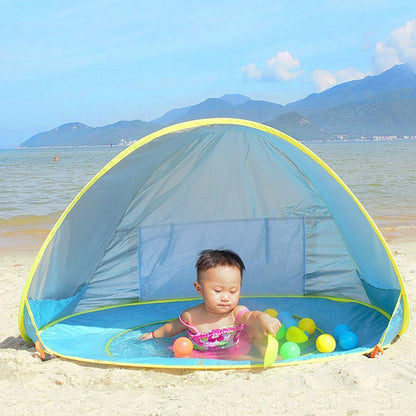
(35, 190)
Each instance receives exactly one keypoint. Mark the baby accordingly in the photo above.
(218, 322)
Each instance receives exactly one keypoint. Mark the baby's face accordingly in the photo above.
(220, 287)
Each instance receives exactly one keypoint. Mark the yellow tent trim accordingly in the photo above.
(189, 125)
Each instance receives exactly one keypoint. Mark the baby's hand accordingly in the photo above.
(145, 336)
(270, 325)
(259, 326)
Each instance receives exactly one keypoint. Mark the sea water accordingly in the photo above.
(382, 175)
(35, 190)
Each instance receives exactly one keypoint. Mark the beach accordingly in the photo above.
(352, 385)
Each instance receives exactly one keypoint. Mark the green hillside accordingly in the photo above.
(299, 127)
(78, 134)
(392, 113)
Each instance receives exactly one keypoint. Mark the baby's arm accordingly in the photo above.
(263, 320)
(170, 329)
(259, 324)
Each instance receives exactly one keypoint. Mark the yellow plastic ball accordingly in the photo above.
(271, 312)
(308, 325)
(325, 343)
(294, 334)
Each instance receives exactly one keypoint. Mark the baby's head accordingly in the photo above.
(210, 259)
(219, 274)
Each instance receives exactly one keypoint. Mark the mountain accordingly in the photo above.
(78, 134)
(61, 135)
(212, 107)
(352, 108)
(235, 99)
(127, 130)
(392, 113)
(179, 114)
(397, 77)
(217, 107)
(298, 126)
(383, 104)
(171, 116)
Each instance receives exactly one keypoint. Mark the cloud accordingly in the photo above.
(283, 66)
(251, 71)
(399, 47)
(386, 56)
(325, 79)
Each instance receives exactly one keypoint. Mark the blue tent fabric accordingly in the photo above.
(133, 235)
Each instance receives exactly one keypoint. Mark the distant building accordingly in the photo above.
(126, 142)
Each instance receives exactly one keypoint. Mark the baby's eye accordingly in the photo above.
(217, 290)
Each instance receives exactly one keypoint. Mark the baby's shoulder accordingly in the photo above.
(189, 313)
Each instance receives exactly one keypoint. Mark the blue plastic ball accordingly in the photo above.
(348, 340)
(290, 322)
(284, 315)
(340, 329)
(286, 319)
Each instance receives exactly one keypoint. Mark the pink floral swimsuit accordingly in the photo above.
(216, 339)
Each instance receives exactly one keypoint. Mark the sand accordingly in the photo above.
(353, 385)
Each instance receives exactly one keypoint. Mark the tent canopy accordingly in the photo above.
(122, 255)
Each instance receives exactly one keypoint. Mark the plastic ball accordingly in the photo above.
(289, 322)
(182, 347)
(289, 350)
(348, 340)
(325, 343)
(284, 315)
(271, 312)
(340, 329)
(294, 334)
(281, 332)
(308, 325)
(287, 319)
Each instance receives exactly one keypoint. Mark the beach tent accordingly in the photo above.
(120, 260)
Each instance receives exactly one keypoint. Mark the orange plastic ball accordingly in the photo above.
(182, 347)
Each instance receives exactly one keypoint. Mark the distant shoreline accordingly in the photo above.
(117, 146)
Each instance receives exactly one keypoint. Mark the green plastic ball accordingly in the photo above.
(289, 350)
(281, 333)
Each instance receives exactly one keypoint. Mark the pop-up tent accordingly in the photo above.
(120, 260)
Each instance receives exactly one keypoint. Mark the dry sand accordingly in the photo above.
(349, 386)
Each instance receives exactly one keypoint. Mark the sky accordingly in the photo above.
(98, 62)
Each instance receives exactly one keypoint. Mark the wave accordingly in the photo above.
(26, 231)
(22, 222)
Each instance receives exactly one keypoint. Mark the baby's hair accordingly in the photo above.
(212, 258)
